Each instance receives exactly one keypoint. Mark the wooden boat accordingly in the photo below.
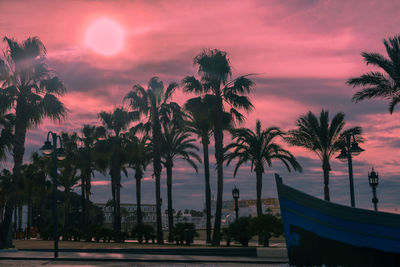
(320, 232)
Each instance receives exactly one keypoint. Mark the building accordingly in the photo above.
(128, 215)
(247, 207)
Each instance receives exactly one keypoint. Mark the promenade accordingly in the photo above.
(36, 253)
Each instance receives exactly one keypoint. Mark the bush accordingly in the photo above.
(241, 230)
(267, 226)
(184, 232)
(145, 231)
(226, 234)
(102, 233)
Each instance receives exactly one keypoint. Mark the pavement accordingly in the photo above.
(135, 257)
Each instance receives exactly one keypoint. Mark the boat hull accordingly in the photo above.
(320, 232)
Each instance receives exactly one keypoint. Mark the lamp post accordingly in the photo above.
(373, 179)
(351, 149)
(235, 195)
(57, 154)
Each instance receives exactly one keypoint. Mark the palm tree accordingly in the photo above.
(68, 178)
(30, 91)
(152, 102)
(139, 156)
(114, 153)
(86, 164)
(215, 70)
(323, 137)
(260, 149)
(376, 84)
(176, 144)
(5, 186)
(200, 112)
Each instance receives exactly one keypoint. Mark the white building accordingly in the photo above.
(129, 215)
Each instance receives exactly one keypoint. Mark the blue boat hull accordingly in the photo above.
(320, 232)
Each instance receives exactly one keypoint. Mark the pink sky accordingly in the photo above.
(302, 53)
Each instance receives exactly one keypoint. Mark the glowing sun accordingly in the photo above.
(105, 37)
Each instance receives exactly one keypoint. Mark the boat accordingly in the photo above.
(320, 232)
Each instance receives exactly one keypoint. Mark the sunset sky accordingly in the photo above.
(300, 52)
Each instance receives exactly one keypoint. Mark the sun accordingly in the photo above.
(105, 37)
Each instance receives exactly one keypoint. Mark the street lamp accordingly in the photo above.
(57, 154)
(373, 179)
(351, 149)
(235, 195)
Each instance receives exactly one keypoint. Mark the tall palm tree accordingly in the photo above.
(68, 178)
(176, 144)
(323, 137)
(30, 91)
(376, 84)
(215, 71)
(200, 112)
(260, 149)
(86, 164)
(139, 156)
(114, 153)
(151, 102)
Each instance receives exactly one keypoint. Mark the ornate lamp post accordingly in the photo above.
(57, 154)
(373, 179)
(235, 195)
(351, 149)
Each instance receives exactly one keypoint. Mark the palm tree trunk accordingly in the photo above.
(326, 167)
(18, 152)
(83, 201)
(42, 200)
(259, 190)
(19, 218)
(169, 193)
(219, 156)
(156, 134)
(66, 208)
(87, 194)
(138, 178)
(205, 143)
(113, 200)
(29, 223)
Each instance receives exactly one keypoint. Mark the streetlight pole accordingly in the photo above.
(373, 179)
(57, 154)
(235, 195)
(351, 149)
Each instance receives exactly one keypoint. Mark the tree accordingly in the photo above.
(260, 149)
(323, 137)
(268, 225)
(139, 156)
(200, 112)
(241, 231)
(30, 91)
(152, 102)
(68, 178)
(86, 164)
(215, 70)
(376, 84)
(113, 153)
(176, 144)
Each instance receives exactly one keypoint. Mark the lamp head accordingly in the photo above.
(355, 150)
(373, 178)
(235, 193)
(343, 155)
(61, 155)
(47, 148)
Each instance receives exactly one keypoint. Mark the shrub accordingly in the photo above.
(184, 232)
(241, 230)
(267, 226)
(145, 231)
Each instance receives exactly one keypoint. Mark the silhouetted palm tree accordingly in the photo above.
(260, 149)
(176, 144)
(215, 70)
(378, 84)
(86, 164)
(321, 136)
(200, 113)
(150, 102)
(114, 154)
(139, 156)
(30, 91)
